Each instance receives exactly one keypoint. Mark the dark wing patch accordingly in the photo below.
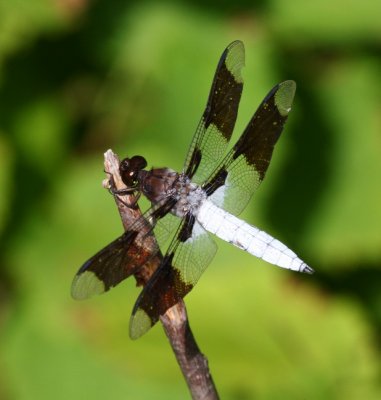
(217, 123)
(242, 170)
(122, 257)
(187, 258)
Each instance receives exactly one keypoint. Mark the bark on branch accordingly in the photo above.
(192, 362)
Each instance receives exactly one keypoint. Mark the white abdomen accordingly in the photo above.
(248, 238)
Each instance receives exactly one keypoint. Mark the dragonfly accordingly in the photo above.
(204, 200)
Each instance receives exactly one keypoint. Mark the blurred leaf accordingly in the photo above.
(346, 228)
(6, 161)
(40, 134)
(22, 20)
(341, 21)
(268, 326)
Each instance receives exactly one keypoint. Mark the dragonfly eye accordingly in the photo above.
(129, 169)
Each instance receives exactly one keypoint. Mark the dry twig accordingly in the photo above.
(192, 362)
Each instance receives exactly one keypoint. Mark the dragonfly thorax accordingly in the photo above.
(158, 183)
(189, 197)
(163, 183)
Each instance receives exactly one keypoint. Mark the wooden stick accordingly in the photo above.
(192, 362)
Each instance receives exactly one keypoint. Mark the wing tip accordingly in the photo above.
(235, 59)
(140, 323)
(284, 96)
(86, 284)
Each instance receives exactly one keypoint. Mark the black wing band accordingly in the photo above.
(217, 123)
(242, 170)
(122, 257)
(187, 257)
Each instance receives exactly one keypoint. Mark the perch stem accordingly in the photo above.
(192, 362)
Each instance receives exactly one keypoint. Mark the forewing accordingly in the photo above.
(217, 123)
(240, 173)
(123, 256)
(188, 256)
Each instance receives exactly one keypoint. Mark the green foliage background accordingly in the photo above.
(78, 77)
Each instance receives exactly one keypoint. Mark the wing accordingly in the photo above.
(122, 257)
(242, 170)
(187, 257)
(230, 186)
(217, 123)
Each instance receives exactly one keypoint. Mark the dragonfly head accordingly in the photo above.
(130, 168)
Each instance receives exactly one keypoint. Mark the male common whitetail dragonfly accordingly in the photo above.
(205, 198)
